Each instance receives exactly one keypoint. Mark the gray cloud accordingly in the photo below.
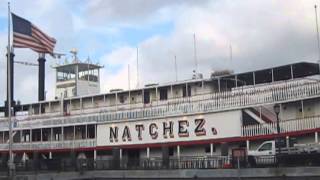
(262, 35)
(123, 12)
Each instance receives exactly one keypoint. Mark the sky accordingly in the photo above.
(262, 34)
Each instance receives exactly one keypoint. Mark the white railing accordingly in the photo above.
(206, 103)
(51, 145)
(308, 123)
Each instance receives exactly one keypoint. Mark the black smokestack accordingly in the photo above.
(11, 61)
(41, 85)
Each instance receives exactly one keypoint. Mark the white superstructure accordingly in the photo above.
(192, 118)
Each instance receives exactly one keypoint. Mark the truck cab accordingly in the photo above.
(264, 154)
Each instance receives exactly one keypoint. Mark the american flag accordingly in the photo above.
(27, 35)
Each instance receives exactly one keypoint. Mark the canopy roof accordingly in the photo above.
(71, 68)
(285, 72)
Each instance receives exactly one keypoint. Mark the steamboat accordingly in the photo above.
(195, 123)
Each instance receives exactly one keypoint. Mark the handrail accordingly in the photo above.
(285, 126)
(51, 144)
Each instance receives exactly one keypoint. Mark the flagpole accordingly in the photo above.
(10, 162)
(317, 28)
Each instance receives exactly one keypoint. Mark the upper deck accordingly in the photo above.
(237, 91)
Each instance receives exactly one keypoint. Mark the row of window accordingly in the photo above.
(163, 95)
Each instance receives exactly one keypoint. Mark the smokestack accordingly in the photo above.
(41, 83)
(11, 84)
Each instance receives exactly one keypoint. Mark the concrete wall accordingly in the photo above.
(292, 173)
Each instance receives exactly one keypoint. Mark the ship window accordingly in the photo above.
(146, 97)
(186, 91)
(163, 94)
(304, 69)
(207, 148)
(46, 133)
(282, 73)
(25, 136)
(74, 92)
(57, 134)
(245, 79)
(36, 135)
(171, 151)
(121, 98)
(91, 131)
(263, 76)
(65, 107)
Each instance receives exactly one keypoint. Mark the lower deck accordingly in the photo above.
(188, 156)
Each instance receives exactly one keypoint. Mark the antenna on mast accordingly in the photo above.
(74, 52)
(195, 53)
(317, 28)
(175, 67)
(231, 53)
(196, 74)
(128, 76)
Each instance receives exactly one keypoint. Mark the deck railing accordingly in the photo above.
(70, 144)
(208, 103)
(285, 126)
(68, 164)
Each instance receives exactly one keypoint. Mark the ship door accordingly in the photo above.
(66, 108)
(133, 158)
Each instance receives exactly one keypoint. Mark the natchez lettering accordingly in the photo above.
(153, 130)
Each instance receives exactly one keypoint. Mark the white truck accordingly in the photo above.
(298, 154)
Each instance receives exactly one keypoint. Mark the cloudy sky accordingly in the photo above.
(262, 34)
